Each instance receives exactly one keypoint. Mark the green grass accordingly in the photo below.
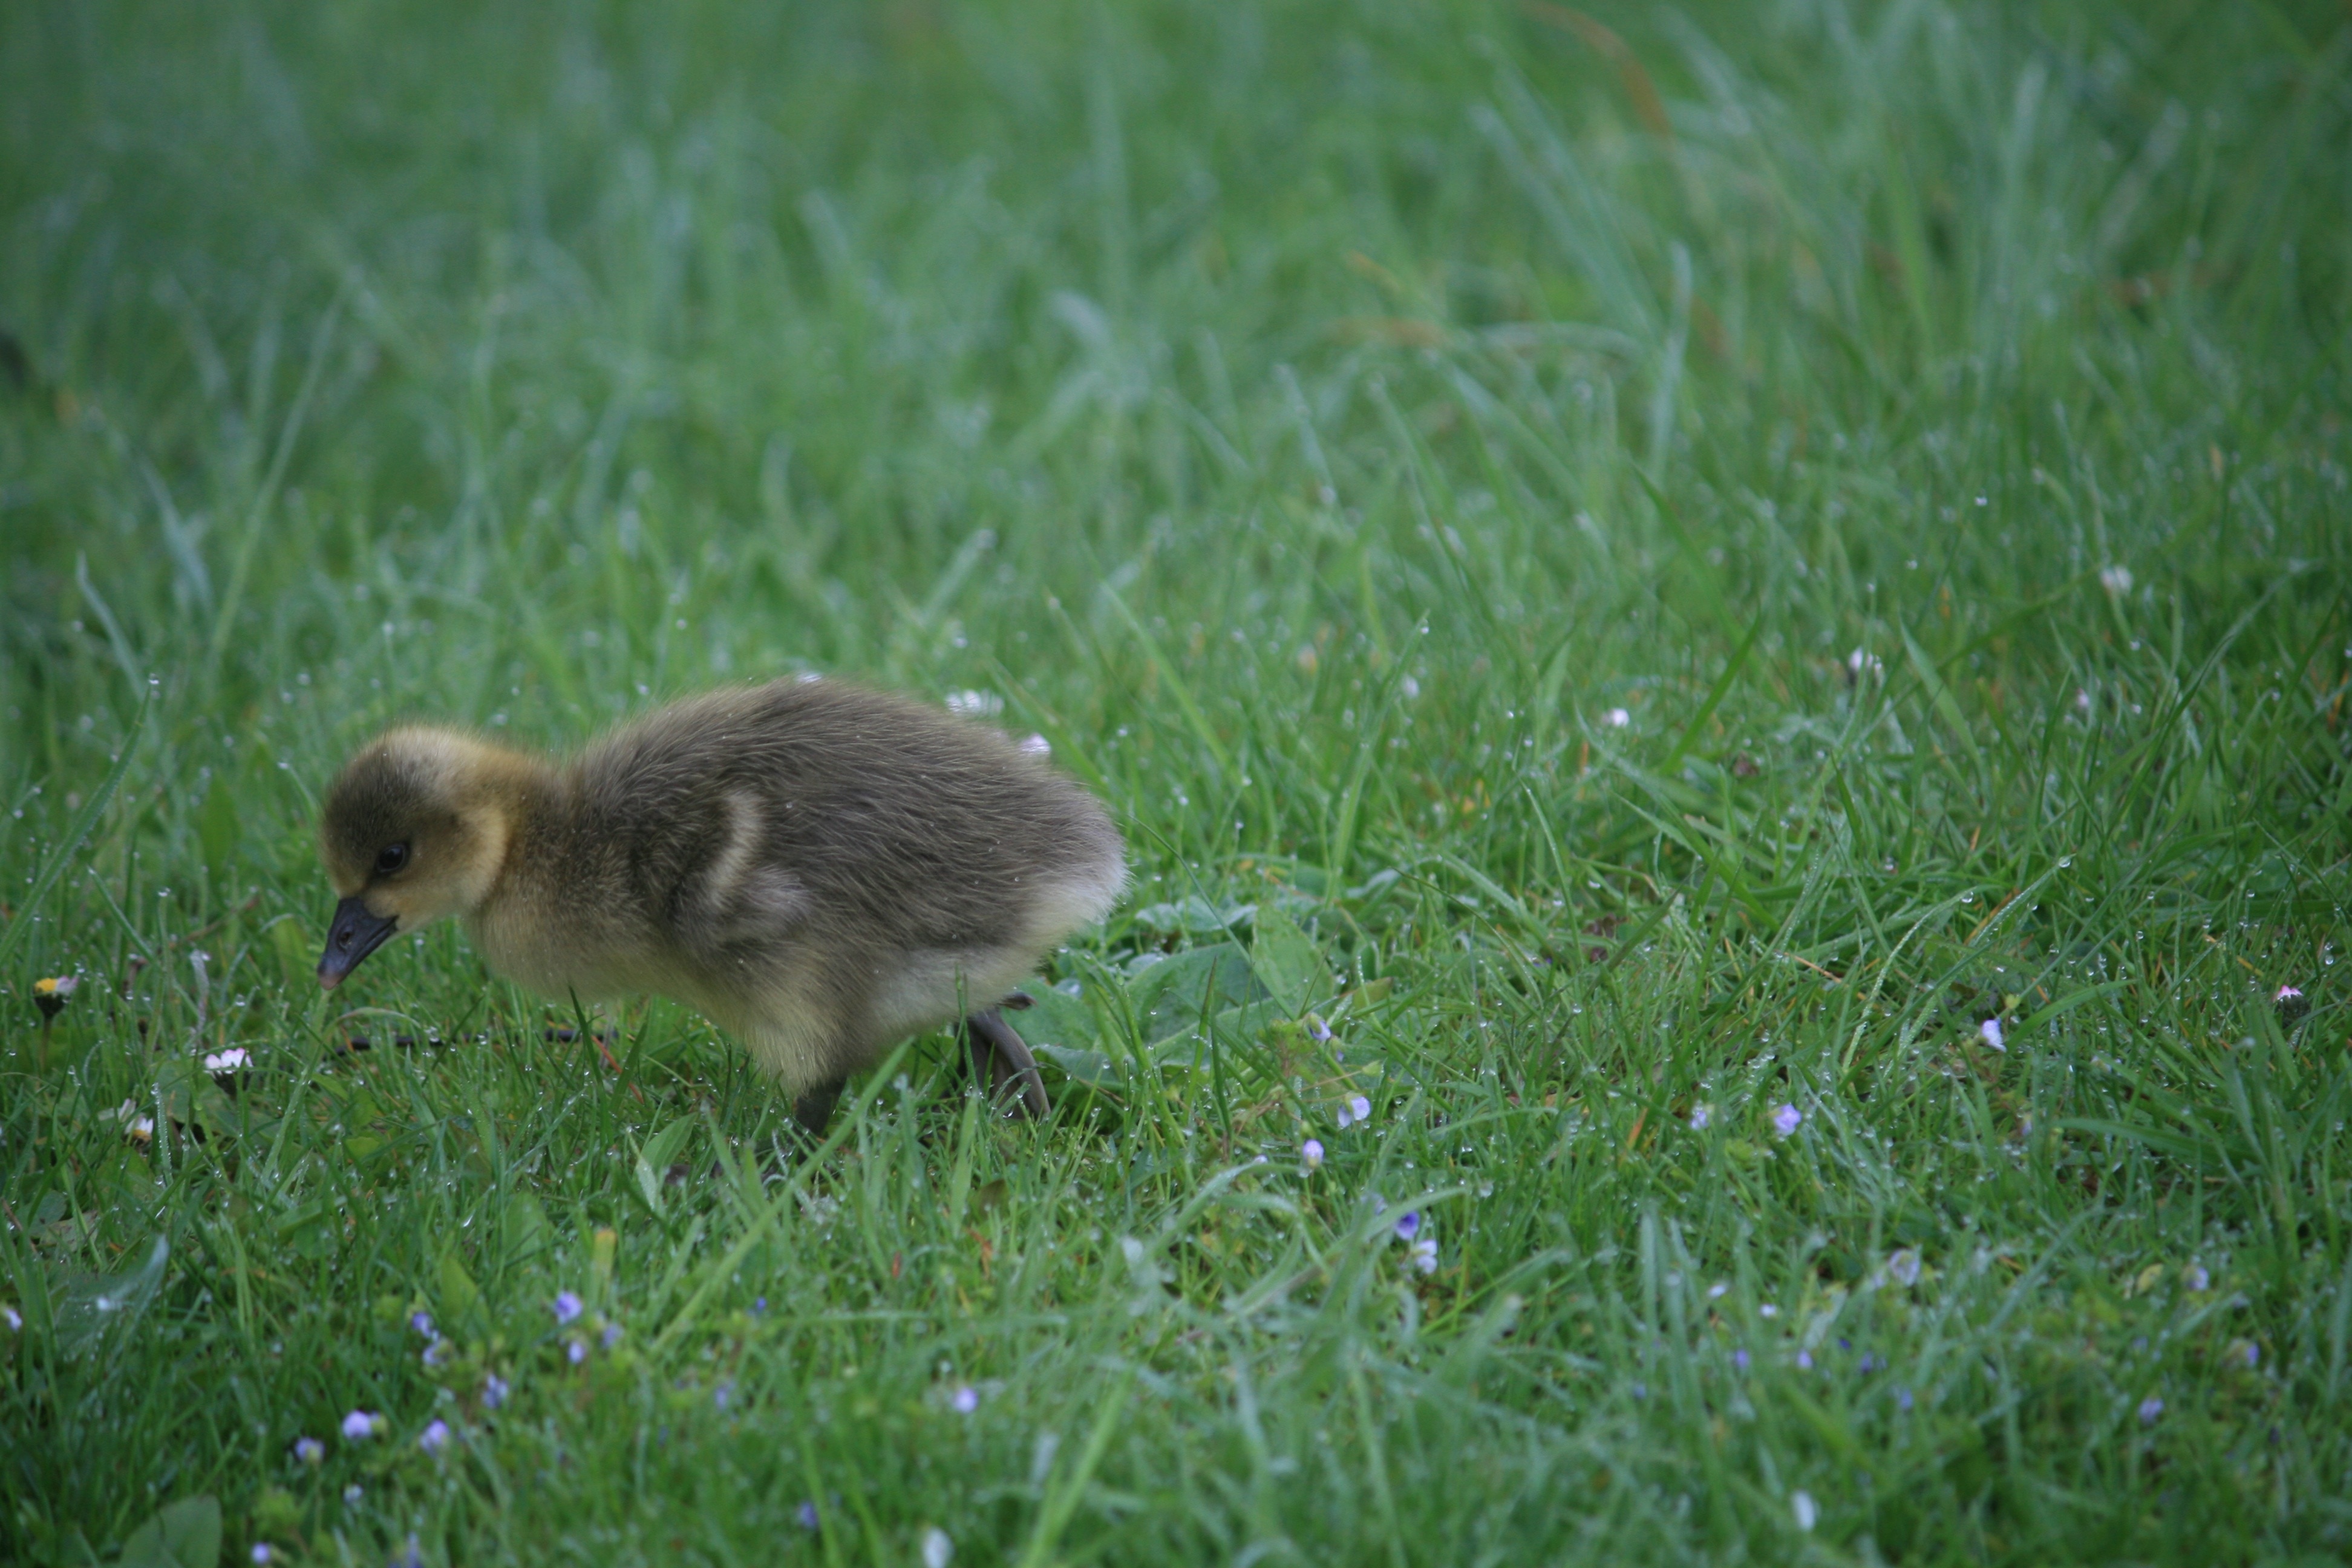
(1640, 577)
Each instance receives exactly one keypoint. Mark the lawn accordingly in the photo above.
(1720, 632)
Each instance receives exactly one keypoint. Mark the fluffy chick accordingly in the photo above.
(820, 869)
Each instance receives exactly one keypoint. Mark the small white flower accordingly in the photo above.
(1410, 687)
(975, 704)
(1861, 662)
(1718, 1290)
(1424, 1255)
(2115, 580)
(230, 1061)
(1036, 745)
(1310, 1153)
(964, 1400)
(16, 1320)
(1990, 1032)
(937, 1548)
(1903, 1266)
(1617, 718)
(1801, 1505)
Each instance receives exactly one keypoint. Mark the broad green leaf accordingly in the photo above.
(182, 1534)
(1288, 963)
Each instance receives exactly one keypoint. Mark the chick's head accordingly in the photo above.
(414, 828)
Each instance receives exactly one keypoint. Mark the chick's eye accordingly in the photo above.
(391, 859)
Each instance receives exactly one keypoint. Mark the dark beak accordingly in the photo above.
(354, 934)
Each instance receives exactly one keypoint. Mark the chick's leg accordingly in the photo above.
(815, 1109)
(1001, 1059)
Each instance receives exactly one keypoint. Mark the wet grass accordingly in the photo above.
(1735, 621)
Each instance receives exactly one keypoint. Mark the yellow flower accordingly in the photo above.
(51, 995)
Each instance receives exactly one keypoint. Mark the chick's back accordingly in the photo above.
(822, 811)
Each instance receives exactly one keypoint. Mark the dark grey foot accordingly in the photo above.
(815, 1109)
(1001, 1059)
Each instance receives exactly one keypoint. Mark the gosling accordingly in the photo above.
(820, 869)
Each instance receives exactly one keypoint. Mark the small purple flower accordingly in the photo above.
(435, 1437)
(421, 1322)
(723, 1396)
(360, 1424)
(964, 1400)
(309, 1451)
(1310, 1153)
(1318, 1028)
(1990, 1032)
(1424, 1256)
(806, 1514)
(2197, 1278)
(2287, 994)
(2149, 1409)
(1700, 1116)
(1805, 1361)
(575, 1350)
(759, 1305)
(261, 1553)
(1641, 1390)
(1409, 1226)
(567, 1308)
(1870, 1363)
(1739, 1360)
(1361, 1107)
(611, 1336)
(437, 1352)
(2292, 1005)
(1786, 1119)
(353, 1493)
(1903, 1399)
(494, 1391)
